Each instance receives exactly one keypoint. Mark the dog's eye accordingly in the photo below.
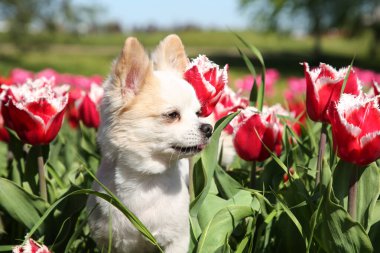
(198, 113)
(173, 115)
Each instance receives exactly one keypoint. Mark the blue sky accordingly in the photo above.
(220, 14)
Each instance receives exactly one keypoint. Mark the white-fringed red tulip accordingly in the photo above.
(30, 247)
(208, 82)
(34, 110)
(252, 129)
(89, 106)
(323, 87)
(355, 123)
(229, 102)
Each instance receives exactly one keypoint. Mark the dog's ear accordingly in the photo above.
(170, 55)
(131, 69)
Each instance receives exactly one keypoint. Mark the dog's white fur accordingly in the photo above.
(138, 137)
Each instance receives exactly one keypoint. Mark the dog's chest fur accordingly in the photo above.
(160, 201)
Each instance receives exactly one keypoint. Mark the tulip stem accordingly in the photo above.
(41, 174)
(321, 153)
(253, 175)
(352, 193)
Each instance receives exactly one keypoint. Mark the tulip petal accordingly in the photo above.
(370, 148)
(202, 88)
(376, 88)
(53, 126)
(42, 109)
(312, 96)
(88, 112)
(327, 71)
(28, 127)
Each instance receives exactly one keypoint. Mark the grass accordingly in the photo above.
(92, 54)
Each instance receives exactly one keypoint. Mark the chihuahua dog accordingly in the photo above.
(149, 128)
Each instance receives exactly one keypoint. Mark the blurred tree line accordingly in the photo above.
(24, 17)
(318, 17)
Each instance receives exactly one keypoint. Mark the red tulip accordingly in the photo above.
(208, 82)
(30, 247)
(49, 74)
(355, 122)
(365, 75)
(296, 88)
(252, 129)
(34, 110)
(271, 77)
(20, 76)
(323, 87)
(88, 107)
(229, 102)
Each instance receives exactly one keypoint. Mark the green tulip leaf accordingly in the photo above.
(220, 227)
(21, 205)
(209, 160)
(261, 88)
(336, 231)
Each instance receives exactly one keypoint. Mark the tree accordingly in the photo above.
(47, 16)
(19, 14)
(317, 16)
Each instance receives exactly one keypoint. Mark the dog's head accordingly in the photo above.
(149, 111)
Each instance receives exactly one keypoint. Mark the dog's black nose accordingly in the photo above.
(206, 129)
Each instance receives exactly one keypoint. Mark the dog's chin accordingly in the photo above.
(187, 151)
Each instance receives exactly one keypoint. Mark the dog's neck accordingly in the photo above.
(119, 176)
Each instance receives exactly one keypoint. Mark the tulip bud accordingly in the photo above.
(88, 107)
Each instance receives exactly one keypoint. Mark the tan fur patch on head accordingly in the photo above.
(170, 55)
(146, 100)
